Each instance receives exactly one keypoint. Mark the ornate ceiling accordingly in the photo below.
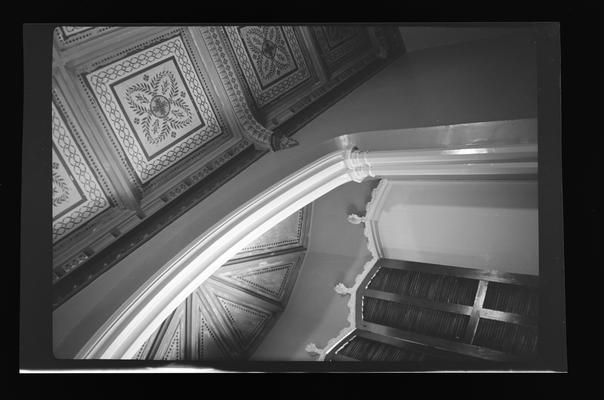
(229, 314)
(148, 121)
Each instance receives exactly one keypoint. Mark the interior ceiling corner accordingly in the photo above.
(148, 121)
(227, 316)
(509, 153)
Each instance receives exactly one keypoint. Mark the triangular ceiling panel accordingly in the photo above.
(246, 321)
(175, 349)
(269, 280)
(287, 234)
(270, 277)
(140, 354)
(208, 346)
(207, 337)
(172, 340)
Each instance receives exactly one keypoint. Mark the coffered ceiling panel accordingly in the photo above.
(274, 64)
(156, 106)
(271, 60)
(156, 118)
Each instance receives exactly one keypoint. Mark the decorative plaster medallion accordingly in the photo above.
(338, 43)
(76, 194)
(270, 58)
(156, 106)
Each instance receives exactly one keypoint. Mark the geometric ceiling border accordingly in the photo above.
(76, 129)
(74, 171)
(146, 229)
(66, 37)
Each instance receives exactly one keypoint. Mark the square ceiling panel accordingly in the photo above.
(156, 106)
(271, 60)
(338, 43)
(76, 194)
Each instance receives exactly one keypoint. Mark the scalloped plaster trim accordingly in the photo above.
(341, 289)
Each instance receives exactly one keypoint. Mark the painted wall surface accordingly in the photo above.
(338, 251)
(481, 81)
(491, 225)
(471, 82)
(446, 85)
(424, 37)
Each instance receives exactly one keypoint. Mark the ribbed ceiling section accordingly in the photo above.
(227, 316)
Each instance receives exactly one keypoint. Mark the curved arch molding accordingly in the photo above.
(123, 334)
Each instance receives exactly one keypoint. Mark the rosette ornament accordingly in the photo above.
(160, 105)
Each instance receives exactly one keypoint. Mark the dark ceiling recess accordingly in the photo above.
(148, 121)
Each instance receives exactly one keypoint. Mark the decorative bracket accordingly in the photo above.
(357, 164)
(313, 350)
(355, 219)
(280, 142)
(342, 290)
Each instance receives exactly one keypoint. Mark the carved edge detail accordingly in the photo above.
(358, 165)
(258, 133)
(342, 290)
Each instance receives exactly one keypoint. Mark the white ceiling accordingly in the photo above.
(491, 225)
